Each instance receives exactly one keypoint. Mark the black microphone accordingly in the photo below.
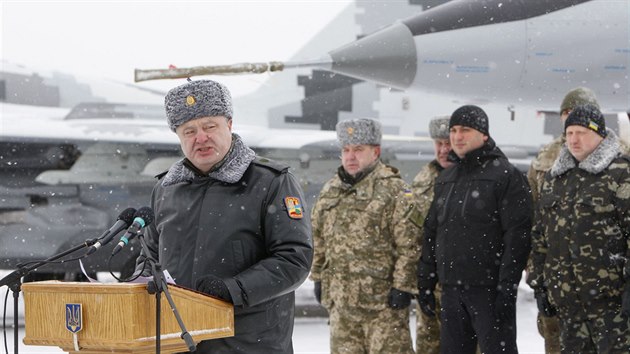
(143, 217)
(124, 220)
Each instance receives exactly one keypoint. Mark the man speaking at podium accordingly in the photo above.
(230, 224)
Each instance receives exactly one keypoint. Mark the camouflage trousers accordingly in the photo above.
(359, 331)
(549, 329)
(602, 330)
(428, 328)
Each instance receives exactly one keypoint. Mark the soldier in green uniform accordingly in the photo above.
(580, 238)
(427, 327)
(548, 326)
(366, 248)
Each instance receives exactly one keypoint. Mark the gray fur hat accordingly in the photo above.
(577, 97)
(363, 131)
(438, 127)
(197, 99)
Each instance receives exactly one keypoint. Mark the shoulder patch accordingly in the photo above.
(294, 207)
(270, 164)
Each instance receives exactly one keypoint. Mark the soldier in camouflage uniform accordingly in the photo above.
(366, 249)
(548, 326)
(580, 238)
(427, 327)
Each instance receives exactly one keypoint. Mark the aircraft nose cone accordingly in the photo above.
(387, 57)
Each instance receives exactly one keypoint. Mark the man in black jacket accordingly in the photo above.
(476, 241)
(229, 223)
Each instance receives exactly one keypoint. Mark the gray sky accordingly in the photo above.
(111, 38)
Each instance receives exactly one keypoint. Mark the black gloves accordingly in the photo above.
(542, 301)
(625, 302)
(214, 286)
(505, 303)
(426, 300)
(318, 291)
(398, 299)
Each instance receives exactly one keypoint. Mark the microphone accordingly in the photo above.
(124, 220)
(143, 217)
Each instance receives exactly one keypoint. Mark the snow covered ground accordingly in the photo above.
(311, 334)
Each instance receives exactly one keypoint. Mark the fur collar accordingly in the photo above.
(594, 163)
(229, 170)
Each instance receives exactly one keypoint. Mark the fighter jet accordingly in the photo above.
(517, 54)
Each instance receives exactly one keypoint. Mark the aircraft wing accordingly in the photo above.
(44, 124)
(31, 123)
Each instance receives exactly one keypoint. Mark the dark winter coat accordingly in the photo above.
(477, 231)
(242, 233)
(582, 229)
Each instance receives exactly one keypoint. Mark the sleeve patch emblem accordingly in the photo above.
(294, 207)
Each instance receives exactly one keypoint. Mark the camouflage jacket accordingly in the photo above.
(422, 187)
(365, 243)
(582, 226)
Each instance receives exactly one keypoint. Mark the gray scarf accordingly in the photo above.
(229, 170)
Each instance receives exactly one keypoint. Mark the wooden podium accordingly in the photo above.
(120, 317)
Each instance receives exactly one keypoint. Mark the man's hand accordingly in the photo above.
(505, 303)
(398, 299)
(318, 291)
(214, 286)
(426, 300)
(542, 301)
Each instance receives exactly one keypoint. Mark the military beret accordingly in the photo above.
(197, 99)
(363, 131)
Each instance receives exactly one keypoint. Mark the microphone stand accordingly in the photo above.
(158, 286)
(14, 281)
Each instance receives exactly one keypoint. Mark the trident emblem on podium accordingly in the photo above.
(74, 322)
